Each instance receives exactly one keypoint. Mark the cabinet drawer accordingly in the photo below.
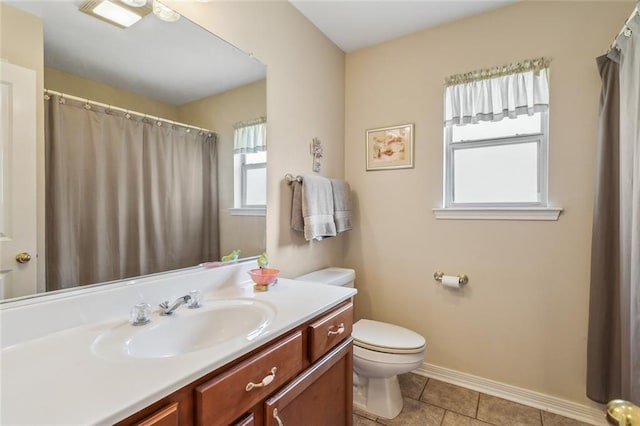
(167, 416)
(247, 420)
(225, 397)
(330, 330)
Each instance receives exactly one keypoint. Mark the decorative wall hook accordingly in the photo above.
(316, 151)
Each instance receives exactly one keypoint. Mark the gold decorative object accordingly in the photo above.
(529, 65)
(623, 413)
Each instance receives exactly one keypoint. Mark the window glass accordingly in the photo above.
(521, 125)
(256, 158)
(256, 187)
(506, 173)
(495, 164)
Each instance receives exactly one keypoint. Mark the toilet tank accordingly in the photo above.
(333, 276)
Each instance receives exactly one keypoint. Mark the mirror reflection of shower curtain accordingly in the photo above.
(125, 196)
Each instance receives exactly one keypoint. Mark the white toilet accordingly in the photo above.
(381, 351)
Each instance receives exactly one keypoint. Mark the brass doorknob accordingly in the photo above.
(23, 257)
(623, 413)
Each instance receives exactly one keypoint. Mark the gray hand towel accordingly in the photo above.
(341, 205)
(317, 208)
(297, 223)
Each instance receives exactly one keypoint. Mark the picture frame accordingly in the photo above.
(390, 147)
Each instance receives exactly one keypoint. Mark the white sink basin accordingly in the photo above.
(186, 330)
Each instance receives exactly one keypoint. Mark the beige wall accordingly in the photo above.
(305, 99)
(219, 113)
(21, 43)
(61, 81)
(21, 38)
(522, 319)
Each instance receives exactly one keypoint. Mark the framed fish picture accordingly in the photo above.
(390, 147)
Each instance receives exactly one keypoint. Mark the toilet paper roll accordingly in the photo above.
(451, 281)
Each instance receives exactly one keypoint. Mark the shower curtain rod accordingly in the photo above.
(127, 111)
(634, 12)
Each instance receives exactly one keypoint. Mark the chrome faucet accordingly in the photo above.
(166, 309)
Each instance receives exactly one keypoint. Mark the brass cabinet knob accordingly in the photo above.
(23, 257)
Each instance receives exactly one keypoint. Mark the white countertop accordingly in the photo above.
(57, 379)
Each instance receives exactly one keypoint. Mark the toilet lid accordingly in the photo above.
(384, 337)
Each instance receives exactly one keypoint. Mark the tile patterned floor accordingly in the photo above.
(429, 402)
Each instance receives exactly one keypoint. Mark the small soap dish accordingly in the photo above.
(264, 278)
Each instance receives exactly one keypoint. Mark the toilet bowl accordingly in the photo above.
(381, 351)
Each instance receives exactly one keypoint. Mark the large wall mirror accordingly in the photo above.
(139, 126)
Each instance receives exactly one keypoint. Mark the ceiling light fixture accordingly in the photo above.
(115, 12)
(134, 3)
(164, 13)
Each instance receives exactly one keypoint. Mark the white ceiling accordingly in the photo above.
(174, 62)
(356, 24)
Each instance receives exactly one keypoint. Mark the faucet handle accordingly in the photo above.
(194, 302)
(140, 314)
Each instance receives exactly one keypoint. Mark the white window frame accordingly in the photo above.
(244, 168)
(538, 210)
(244, 144)
(240, 188)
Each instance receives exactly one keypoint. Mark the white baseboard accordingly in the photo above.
(589, 414)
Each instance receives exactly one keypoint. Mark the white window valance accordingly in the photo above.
(492, 99)
(250, 137)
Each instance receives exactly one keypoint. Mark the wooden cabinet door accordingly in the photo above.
(322, 395)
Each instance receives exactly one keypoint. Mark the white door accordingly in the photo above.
(17, 181)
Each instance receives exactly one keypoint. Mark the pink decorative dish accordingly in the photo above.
(264, 276)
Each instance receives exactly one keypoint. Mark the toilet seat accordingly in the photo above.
(386, 338)
(382, 358)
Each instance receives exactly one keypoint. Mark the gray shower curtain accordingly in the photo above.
(613, 351)
(124, 195)
(630, 208)
(603, 355)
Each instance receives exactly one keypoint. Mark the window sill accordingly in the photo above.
(244, 211)
(498, 213)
